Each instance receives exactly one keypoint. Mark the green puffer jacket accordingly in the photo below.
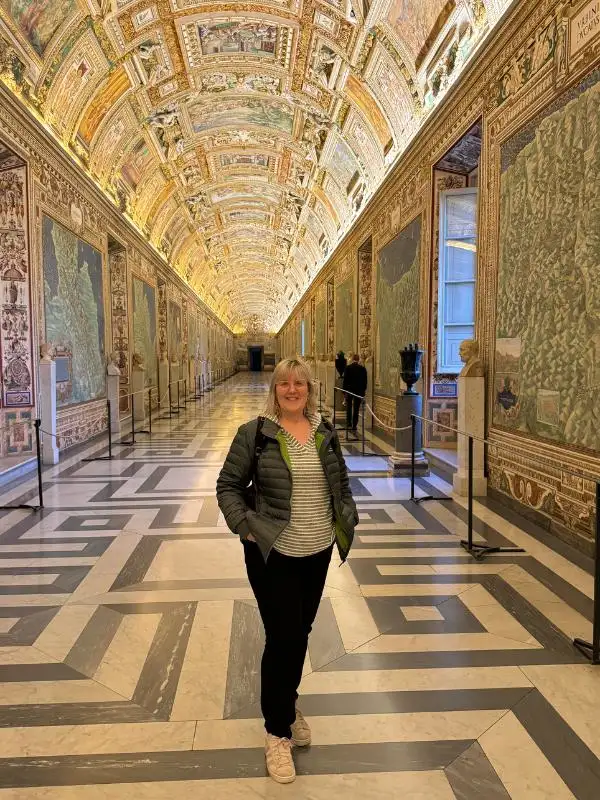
(273, 481)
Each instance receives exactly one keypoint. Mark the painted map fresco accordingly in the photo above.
(398, 266)
(344, 316)
(144, 327)
(547, 364)
(74, 311)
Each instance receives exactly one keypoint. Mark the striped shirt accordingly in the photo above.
(311, 526)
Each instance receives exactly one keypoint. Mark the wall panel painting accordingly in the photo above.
(320, 329)
(74, 313)
(547, 361)
(174, 332)
(344, 315)
(144, 327)
(398, 266)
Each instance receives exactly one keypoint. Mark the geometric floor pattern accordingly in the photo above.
(130, 640)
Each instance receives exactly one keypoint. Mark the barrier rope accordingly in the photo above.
(374, 415)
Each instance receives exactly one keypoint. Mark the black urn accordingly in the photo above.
(410, 370)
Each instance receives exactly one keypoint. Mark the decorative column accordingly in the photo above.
(471, 420)
(407, 404)
(113, 379)
(48, 406)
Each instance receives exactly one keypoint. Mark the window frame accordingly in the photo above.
(443, 365)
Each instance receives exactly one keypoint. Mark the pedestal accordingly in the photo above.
(340, 408)
(369, 394)
(400, 462)
(330, 374)
(163, 383)
(48, 412)
(191, 376)
(138, 385)
(174, 381)
(471, 420)
(112, 391)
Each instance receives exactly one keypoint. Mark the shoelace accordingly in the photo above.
(282, 749)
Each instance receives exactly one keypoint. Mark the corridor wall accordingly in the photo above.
(535, 90)
(76, 275)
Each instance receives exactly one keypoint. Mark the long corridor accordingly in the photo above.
(130, 641)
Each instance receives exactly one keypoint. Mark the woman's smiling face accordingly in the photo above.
(291, 393)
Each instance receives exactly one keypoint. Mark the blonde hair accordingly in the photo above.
(283, 370)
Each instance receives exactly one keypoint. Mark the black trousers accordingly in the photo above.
(288, 591)
(352, 411)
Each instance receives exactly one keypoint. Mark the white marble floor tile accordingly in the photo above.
(413, 589)
(414, 680)
(197, 560)
(404, 569)
(94, 739)
(34, 692)
(203, 680)
(61, 633)
(126, 655)
(495, 618)
(355, 729)
(574, 691)
(427, 642)
(421, 613)
(355, 621)
(24, 655)
(522, 767)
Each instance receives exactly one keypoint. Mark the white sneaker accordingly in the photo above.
(301, 736)
(280, 764)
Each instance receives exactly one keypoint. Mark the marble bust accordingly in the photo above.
(469, 354)
(45, 353)
(113, 364)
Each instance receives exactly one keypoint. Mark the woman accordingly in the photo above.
(299, 504)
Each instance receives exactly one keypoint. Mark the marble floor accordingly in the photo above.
(130, 641)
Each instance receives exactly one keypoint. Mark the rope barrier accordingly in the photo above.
(127, 393)
(374, 415)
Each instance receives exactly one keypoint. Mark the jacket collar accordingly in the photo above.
(271, 427)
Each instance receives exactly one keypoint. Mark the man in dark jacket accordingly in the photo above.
(355, 383)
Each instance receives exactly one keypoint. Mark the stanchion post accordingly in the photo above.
(334, 407)
(38, 452)
(170, 402)
(591, 649)
(470, 491)
(150, 410)
(413, 444)
(362, 406)
(108, 408)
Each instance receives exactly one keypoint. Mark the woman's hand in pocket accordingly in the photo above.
(250, 538)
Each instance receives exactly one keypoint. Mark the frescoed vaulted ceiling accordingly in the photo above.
(242, 138)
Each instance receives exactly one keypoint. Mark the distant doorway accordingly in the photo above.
(255, 359)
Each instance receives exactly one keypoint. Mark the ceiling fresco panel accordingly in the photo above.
(243, 139)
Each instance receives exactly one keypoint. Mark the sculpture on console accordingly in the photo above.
(410, 370)
(45, 353)
(469, 354)
(112, 368)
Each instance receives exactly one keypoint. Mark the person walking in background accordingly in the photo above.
(355, 384)
(298, 505)
(340, 363)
